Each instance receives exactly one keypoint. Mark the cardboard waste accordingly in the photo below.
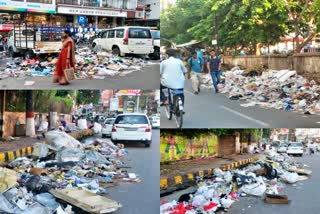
(283, 89)
(76, 173)
(265, 178)
(90, 65)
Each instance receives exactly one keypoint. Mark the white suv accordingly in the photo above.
(126, 40)
(132, 127)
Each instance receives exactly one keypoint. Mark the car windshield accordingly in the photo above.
(139, 33)
(131, 119)
(155, 34)
(283, 144)
(296, 145)
(109, 122)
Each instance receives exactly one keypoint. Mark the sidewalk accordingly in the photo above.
(182, 173)
(23, 146)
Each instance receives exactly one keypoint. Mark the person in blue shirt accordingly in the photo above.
(199, 53)
(214, 66)
(195, 68)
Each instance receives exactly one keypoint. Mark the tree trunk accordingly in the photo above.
(30, 126)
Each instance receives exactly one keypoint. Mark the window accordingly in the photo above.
(119, 33)
(111, 34)
(132, 119)
(140, 33)
(125, 4)
(41, 1)
(110, 122)
(155, 34)
(104, 34)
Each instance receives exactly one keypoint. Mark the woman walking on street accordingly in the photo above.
(66, 59)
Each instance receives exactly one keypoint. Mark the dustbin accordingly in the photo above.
(19, 130)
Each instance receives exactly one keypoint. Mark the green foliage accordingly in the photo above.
(88, 96)
(240, 23)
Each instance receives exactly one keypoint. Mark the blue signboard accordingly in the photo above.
(82, 20)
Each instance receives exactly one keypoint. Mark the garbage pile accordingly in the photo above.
(64, 168)
(283, 89)
(265, 178)
(89, 65)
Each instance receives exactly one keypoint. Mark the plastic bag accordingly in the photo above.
(226, 202)
(70, 154)
(199, 201)
(56, 140)
(40, 150)
(256, 189)
(228, 177)
(290, 177)
(218, 172)
(43, 126)
(47, 200)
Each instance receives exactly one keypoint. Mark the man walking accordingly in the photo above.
(214, 65)
(195, 68)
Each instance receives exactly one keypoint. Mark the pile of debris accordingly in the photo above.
(265, 178)
(89, 64)
(62, 167)
(283, 89)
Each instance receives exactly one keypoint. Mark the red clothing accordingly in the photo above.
(61, 64)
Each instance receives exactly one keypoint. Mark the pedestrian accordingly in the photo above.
(195, 65)
(66, 59)
(214, 66)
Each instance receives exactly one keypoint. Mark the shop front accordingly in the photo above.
(93, 17)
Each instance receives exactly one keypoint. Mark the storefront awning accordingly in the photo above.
(193, 42)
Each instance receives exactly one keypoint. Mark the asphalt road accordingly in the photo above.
(210, 110)
(304, 195)
(146, 78)
(143, 197)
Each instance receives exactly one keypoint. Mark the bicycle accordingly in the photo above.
(175, 106)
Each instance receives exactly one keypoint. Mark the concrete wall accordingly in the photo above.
(226, 145)
(9, 121)
(306, 65)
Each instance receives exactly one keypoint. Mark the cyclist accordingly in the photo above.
(172, 75)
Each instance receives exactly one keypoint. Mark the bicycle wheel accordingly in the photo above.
(168, 111)
(168, 108)
(179, 113)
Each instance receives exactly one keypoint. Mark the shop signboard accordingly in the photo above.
(91, 11)
(129, 92)
(82, 20)
(114, 104)
(7, 5)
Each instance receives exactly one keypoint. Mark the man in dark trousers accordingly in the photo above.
(214, 65)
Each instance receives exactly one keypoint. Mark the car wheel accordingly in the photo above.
(156, 54)
(94, 45)
(116, 51)
(147, 144)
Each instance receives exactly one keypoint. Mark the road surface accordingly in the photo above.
(210, 110)
(146, 78)
(143, 197)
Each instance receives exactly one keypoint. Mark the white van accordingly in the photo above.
(126, 40)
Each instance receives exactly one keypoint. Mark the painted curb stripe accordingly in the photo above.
(180, 179)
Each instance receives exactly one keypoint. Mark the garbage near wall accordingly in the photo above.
(90, 65)
(78, 174)
(283, 89)
(266, 178)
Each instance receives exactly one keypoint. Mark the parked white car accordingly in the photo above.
(155, 121)
(107, 127)
(126, 40)
(132, 127)
(295, 148)
(282, 147)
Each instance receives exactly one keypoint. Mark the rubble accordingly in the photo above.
(265, 178)
(90, 65)
(68, 167)
(283, 89)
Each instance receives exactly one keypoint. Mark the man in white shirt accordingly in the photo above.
(172, 73)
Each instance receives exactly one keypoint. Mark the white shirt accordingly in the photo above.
(172, 73)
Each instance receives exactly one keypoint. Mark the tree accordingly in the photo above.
(88, 96)
(304, 20)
